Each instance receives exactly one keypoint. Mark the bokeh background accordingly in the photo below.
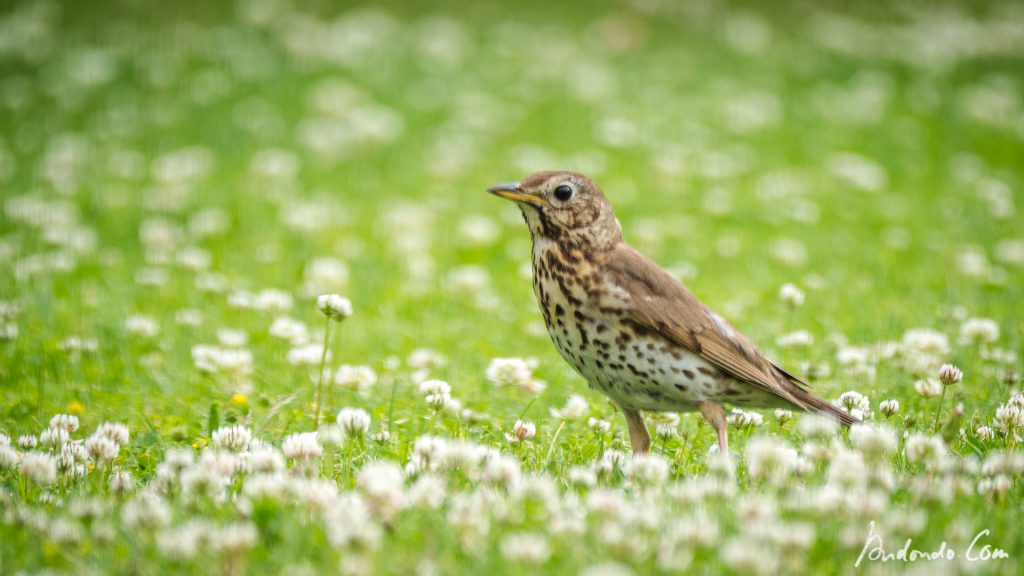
(870, 154)
(180, 174)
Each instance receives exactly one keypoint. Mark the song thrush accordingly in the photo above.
(631, 329)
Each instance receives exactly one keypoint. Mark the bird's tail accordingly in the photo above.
(813, 403)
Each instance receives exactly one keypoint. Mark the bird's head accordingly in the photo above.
(564, 207)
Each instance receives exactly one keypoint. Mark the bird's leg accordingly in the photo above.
(639, 437)
(715, 416)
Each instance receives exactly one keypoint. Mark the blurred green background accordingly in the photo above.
(175, 175)
(156, 158)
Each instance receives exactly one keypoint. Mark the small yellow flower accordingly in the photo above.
(200, 443)
(239, 400)
(75, 407)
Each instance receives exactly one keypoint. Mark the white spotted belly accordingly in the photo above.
(637, 369)
(643, 371)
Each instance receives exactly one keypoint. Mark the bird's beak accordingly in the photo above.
(512, 191)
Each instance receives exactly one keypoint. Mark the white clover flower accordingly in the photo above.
(229, 361)
(1003, 462)
(307, 355)
(526, 548)
(669, 418)
(383, 486)
(598, 425)
(925, 341)
(8, 331)
(143, 326)
(193, 258)
(950, 374)
(996, 486)
(54, 437)
(38, 467)
(514, 372)
(605, 502)
(575, 408)
(424, 359)
(8, 458)
(985, 433)
(665, 431)
(75, 345)
(234, 538)
(428, 492)
(316, 494)
(121, 482)
(220, 462)
(146, 509)
(770, 459)
(264, 459)
(743, 419)
(979, 331)
(73, 453)
(231, 338)
(356, 378)
(783, 416)
(235, 438)
(5, 440)
(853, 400)
(791, 295)
(175, 462)
(203, 483)
(856, 360)
(289, 329)
(647, 469)
(331, 434)
(334, 306)
(798, 339)
(928, 388)
(1016, 400)
(115, 431)
(323, 274)
(28, 442)
(847, 470)
(381, 436)
(874, 441)
(427, 453)
(615, 569)
(1009, 418)
(929, 450)
(350, 525)
(66, 422)
(582, 476)
(354, 422)
(750, 557)
(101, 449)
(438, 401)
(273, 300)
(302, 446)
(183, 542)
(266, 486)
(610, 461)
(521, 432)
(889, 407)
(435, 387)
(478, 230)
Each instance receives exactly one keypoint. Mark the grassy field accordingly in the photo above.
(180, 182)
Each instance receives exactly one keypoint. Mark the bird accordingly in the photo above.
(632, 330)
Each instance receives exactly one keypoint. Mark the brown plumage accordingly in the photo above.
(629, 327)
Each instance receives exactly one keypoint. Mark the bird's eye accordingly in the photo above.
(563, 192)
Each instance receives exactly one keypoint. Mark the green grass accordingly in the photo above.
(720, 134)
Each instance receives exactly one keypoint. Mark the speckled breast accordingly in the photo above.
(636, 368)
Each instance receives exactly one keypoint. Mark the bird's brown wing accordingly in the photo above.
(659, 302)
